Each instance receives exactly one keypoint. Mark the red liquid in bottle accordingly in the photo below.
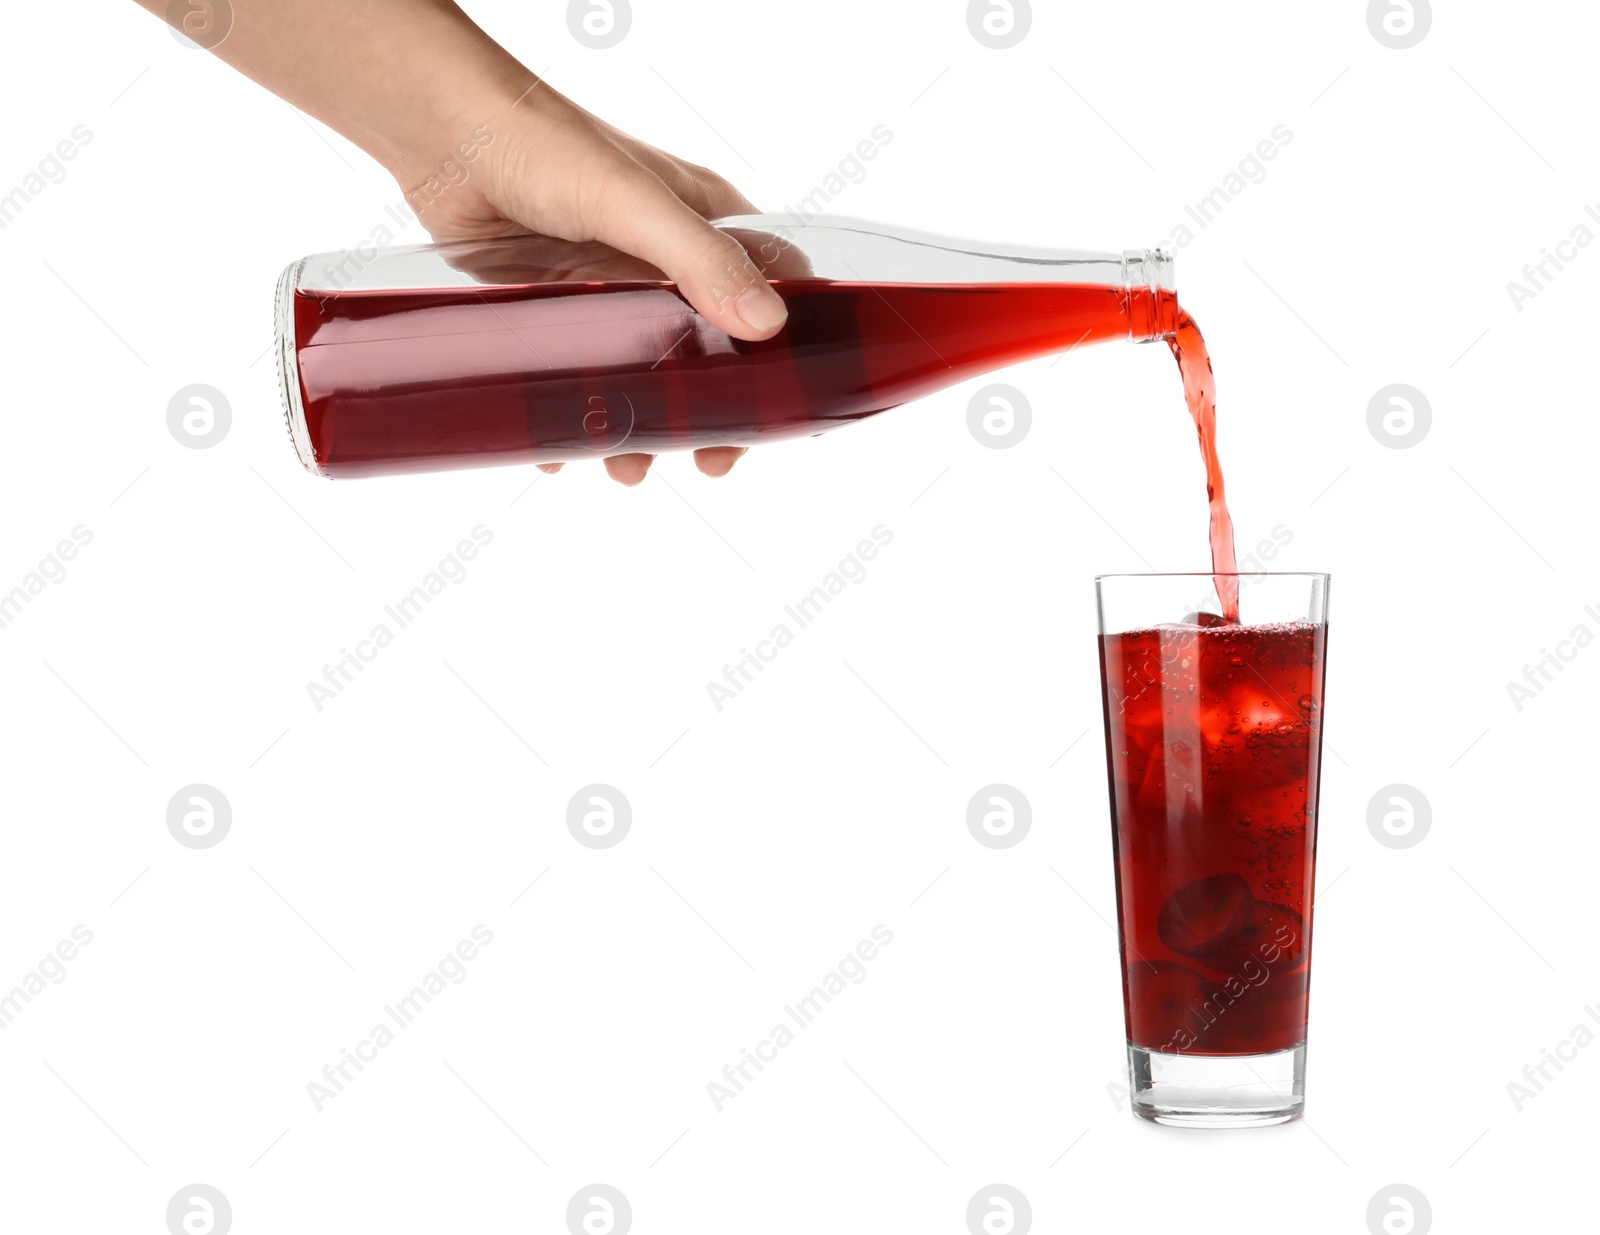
(418, 380)
(1213, 756)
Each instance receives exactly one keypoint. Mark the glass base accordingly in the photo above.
(1218, 1091)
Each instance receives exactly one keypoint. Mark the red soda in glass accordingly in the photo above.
(1213, 742)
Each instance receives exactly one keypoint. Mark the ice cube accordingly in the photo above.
(1272, 1015)
(1165, 1002)
(1271, 936)
(1206, 915)
(1247, 729)
(1171, 779)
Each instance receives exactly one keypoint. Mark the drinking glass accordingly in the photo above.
(1213, 746)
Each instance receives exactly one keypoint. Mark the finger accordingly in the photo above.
(549, 468)
(706, 193)
(701, 189)
(718, 460)
(628, 469)
(775, 252)
(640, 215)
(715, 198)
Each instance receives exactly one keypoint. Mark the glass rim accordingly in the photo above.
(1217, 574)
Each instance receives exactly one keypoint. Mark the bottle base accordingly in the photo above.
(294, 408)
(1217, 1091)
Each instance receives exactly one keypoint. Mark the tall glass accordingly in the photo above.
(1213, 748)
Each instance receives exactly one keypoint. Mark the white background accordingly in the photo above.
(985, 1043)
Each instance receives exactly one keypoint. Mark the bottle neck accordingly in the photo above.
(1152, 299)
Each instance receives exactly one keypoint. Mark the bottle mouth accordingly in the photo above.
(1150, 280)
(1152, 268)
(294, 407)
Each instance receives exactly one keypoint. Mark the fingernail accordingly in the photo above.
(761, 307)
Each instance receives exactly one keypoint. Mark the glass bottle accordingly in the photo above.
(535, 350)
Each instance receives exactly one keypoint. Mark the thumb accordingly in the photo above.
(715, 273)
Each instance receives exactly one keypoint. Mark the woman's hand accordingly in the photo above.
(552, 168)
